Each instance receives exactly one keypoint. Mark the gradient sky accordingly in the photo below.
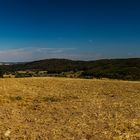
(74, 29)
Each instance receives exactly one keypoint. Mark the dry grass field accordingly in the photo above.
(69, 109)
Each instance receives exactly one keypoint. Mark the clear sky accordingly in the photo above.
(74, 29)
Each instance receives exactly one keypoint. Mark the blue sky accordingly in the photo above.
(73, 29)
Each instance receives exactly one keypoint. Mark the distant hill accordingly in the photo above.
(110, 68)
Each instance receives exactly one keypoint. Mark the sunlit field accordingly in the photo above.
(69, 109)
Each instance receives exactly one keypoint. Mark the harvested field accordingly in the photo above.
(69, 109)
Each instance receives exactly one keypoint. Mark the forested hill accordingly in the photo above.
(109, 68)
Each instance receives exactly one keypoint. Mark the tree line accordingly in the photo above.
(126, 69)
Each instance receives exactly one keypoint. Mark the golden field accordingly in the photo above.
(69, 109)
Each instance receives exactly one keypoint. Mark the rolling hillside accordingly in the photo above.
(128, 69)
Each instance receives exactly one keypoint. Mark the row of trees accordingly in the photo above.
(128, 69)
